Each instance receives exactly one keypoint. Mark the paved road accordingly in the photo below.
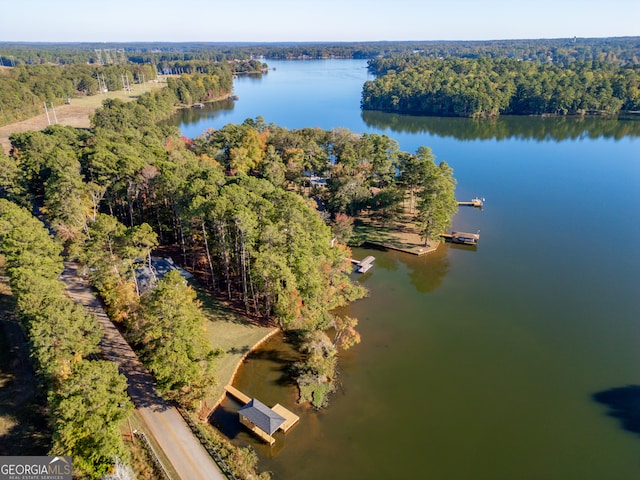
(182, 448)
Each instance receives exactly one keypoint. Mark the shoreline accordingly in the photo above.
(407, 248)
(239, 363)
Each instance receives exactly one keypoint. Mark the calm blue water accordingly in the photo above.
(474, 364)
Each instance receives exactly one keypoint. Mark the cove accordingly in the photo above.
(481, 363)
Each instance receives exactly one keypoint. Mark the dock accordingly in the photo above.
(262, 420)
(475, 202)
(364, 265)
(290, 418)
(463, 238)
(237, 394)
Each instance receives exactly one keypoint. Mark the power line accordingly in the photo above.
(99, 54)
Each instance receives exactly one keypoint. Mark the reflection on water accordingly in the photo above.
(192, 116)
(425, 272)
(475, 364)
(427, 277)
(521, 127)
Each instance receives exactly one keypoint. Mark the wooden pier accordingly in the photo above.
(463, 238)
(475, 202)
(237, 394)
(284, 418)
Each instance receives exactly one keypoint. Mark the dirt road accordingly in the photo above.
(167, 426)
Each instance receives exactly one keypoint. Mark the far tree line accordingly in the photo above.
(562, 51)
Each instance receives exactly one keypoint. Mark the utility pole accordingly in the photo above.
(125, 82)
(55, 117)
(102, 85)
(47, 113)
(53, 110)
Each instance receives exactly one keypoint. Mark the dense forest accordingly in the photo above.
(237, 205)
(260, 213)
(87, 397)
(488, 87)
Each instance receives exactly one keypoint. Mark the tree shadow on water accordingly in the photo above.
(624, 404)
(428, 272)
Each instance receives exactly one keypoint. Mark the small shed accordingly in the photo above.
(260, 419)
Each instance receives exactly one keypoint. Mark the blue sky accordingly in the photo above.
(313, 20)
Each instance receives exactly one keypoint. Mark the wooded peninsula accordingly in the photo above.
(488, 87)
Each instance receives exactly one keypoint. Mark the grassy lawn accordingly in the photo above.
(233, 334)
(95, 101)
(397, 231)
(76, 114)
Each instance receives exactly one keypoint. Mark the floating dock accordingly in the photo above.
(475, 202)
(462, 237)
(364, 265)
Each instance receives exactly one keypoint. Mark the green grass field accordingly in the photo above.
(233, 334)
(399, 231)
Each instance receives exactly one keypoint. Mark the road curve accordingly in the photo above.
(186, 454)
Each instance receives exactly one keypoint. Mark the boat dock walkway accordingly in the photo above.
(237, 394)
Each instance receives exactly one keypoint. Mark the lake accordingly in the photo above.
(475, 363)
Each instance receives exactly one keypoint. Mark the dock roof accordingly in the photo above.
(262, 416)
